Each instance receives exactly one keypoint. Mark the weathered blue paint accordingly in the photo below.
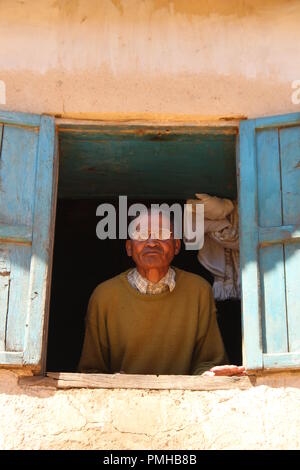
(144, 162)
(252, 344)
(43, 229)
(282, 360)
(22, 119)
(26, 206)
(290, 174)
(280, 120)
(277, 234)
(17, 176)
(269, 188)
(273, 304)
(20, 256)
(18, 160)
(1, 135)
(16, 234)
(4, 290)
(270, 240)
(292, 268)
(11, 358)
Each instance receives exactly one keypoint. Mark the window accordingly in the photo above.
(269, 202)
(99, 163)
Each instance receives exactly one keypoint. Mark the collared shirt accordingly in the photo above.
(146, 287)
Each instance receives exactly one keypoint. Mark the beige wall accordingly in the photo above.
(201, 57)
(263, 417)
(145, 59)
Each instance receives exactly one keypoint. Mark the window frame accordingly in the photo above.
(75, 380)
(141, 381)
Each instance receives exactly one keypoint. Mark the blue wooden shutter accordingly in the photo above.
(269, 198)
(27, 201)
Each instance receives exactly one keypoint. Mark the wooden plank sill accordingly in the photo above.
(63, 380)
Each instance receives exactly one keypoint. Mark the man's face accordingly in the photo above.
(153, 253)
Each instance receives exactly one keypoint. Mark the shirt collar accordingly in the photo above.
(146, 287)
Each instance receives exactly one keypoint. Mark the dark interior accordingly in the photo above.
(147, 164)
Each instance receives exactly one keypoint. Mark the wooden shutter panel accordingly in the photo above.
(28, 171)
(269, 198)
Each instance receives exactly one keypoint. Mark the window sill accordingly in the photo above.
(63, 380)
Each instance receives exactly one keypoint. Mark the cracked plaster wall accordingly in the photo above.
(78, 56)
(264, 417)
(166, 57)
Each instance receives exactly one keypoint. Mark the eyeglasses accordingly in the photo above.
(159, 234)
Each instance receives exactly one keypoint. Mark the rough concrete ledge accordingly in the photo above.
(265, 416)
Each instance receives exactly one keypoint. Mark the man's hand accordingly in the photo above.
(225, 371)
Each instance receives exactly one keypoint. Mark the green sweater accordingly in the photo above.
(169, 333)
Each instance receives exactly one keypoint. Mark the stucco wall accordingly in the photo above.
(263, 417)
(145, 59)
(201, 57)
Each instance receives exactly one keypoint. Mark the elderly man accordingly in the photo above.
(154, 319)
